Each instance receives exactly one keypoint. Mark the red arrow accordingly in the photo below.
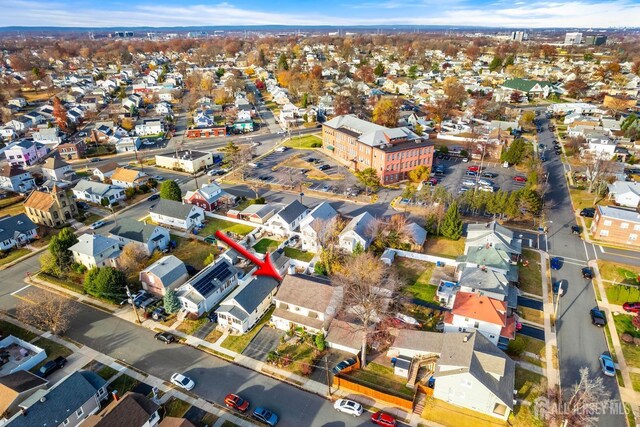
(265, 266)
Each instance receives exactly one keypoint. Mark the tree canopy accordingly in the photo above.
(170, 190)
(451, 227)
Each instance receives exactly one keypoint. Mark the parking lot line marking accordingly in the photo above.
(20, 290)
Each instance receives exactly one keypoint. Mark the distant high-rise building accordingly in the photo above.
(519, 36)
(595, 40)
(573, 38)
(121, 34)
(197, 34)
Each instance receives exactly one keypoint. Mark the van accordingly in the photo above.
(505, 165)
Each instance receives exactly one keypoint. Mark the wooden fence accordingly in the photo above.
(373, 393)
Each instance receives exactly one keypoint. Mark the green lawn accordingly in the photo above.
(635, 380)
(307, 141)
(529, 386)
(417, 275)
(381, 378)
(91, 218)
(618, 272)
(619, 294)
(123, 384)
(175, 407)
(7, 328)
(53, 350)
(298, 254)
(439, 246)
(238, 343)
(530, 275)
(631, 352)
(266, 245)
(299, 353)
(190, 326)
(214, 224)
(106, 372)
(14, 254)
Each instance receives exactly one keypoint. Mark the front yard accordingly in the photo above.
(301, 356)
(439, 246)
(631, 352)
(13, 255)
(619, 294)
(238, 343)
(306, 142)
(298, 254)
(266, 245)
(382, 378)
(583, 199)
(618, 273)
(529, 273)
(189, 326)
(529, 386)
(214, 224)
(417, 275)
(53, 350)
(123, 384)
(450, 415)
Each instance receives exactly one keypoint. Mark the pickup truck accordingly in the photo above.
(51, 366)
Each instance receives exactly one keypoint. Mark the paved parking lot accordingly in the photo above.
(455, 175)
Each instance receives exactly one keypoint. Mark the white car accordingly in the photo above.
(96, 224)
(182, 381)
(407, 319)
(281, 149)
(468, 183)
(348, 407)
(465, 160)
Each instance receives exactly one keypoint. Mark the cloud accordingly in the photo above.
(536, 14)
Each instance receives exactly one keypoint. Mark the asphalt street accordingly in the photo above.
(579, 342)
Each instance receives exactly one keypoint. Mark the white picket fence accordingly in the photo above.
(390, 254)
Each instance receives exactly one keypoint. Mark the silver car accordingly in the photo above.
(469, 183)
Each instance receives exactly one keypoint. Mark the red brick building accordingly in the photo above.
(206, 132)
(616, 225)
(71, 150)
(392, 152)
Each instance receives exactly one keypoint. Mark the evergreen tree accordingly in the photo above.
(452, 224)
(171, 302)
(282, 62)
(59, 247)
(105, 282)
(515, 153)
(171, 191)
(379, 70)
(511, 207)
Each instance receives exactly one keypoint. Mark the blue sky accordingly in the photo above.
(507, 13)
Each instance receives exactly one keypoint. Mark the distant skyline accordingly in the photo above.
(515, 14)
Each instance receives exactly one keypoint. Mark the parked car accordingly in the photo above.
(468, 183)
(83, 205)
(96, 159)
(212, 316)
(607, 365)
(465, 160)
(598, 317)
(97, 225)
(587, 273)
(348, 407)
(489, 175)
(234, 401)
(182, 381)
(631, 307)
(556, 263)
(165, 337)
(383, 419)
(281, 149)
(159, 314)
(343, 365)
(519, 178)
(474, 168)
(559, 287)
(471, 173)
(159, 178)
(211, 239)
(575, 229)
(51, 366)
(588, 212)
(487, 182)
(153, 197)
(265, 415)
(407, 319)
(324, 167)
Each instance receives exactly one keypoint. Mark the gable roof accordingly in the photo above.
(168, 269)
(212, 277)
(54, 162)
(96, 188)
(173, 209)
(210, 192)
(133, 409)
(126, 175)
(39, 200)
(417, 233)
(107, 167)
(134, 230)
(484, 280)
(323, 212)
(94, 244)
(306, 291)
(8, 170)
(12, 226)
(258, 210)
(63, 398)
(292, 211)
(249, 297)
(479, 307)
(12, 385)
(525, 85)
(359, 225)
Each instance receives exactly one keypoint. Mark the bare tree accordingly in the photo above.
(131, 258)
(327, 233)
(368, 287)
(47, 311)
(598, 169)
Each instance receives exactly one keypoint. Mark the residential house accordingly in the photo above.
(416, 234)
(51, 208)
(241, 310)
(190, 161)
(164, 275)
(359, 145)
(16, 388)
(183, 216)
(47, 135)
(625, 193)
(345, 336)
(206, 289)
(16, 231)
(68, 403)
(357, 233)
(128, 143)
(94, 250)
(18, 102)
(20, 124)
(96, 192)
(56, 169)
(531, 88)
(149, 127)
(14, 178)
(105, 171)
(287, 219)
(490, 283)
(257, 213)
(71, 150)
(131, 410)
(7, 133)
(306, 302)
(128, 178)
(164, 108)
(468, 370)
(313, 225)
(209, 197)
(616, 225)
(148, 237)
(493, 235)
(25, 153)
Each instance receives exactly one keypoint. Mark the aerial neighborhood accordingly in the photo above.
(305, 227)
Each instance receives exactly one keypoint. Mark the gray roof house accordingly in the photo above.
(625, 193)
(257, 213)
(493, 284)
(96, 191)
(16, 230)
(318, 219)
(180, 215)
(167, 273)
(493, 235)
(94, 250)
(14, 178)
(357, 233)
(470, 371)
(149, 237)
(15, 388)
(417, 234)
(287, 219)
(67, 403)
(242, 309)
(207, 288)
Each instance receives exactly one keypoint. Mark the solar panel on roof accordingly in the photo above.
(206, 283)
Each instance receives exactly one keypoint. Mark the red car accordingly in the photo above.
(234, 401)
(383, 419)
(519, 178)
(631, 307)
(474, 168)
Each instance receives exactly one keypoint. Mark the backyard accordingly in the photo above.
(307, 141)
(214, 224)
(439, 246)
(450, 415)
(381, 378)
(266, 245)
(238, 343)
(417, 275)
(630, 351)
(193, 252)
(530, 275)
(618, 272)
(298, 254)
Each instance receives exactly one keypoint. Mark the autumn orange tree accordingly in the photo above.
(387, 112)
(60, 114)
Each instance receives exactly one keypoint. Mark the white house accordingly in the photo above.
(207, 288)
(318, 221)
(287, 219)
(46, 135)
(149, 127)
(148, 237)
(14, 178)
(164, 109)
(241, 310)
(25, 153)
(56, 169)
(357, 233)
(625, 193)
(128, 143)
(16, 230)
(95, 192)
(94, 250)
(128, 178)
(183, 216)
(105, 171)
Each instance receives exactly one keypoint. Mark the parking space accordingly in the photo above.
(457, 177)
(265, 341)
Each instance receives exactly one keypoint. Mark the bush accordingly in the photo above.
(320, 343)
(305, 369)
(129, 192)
(320, 269)
(628, 338)
(260, 201)
(316, 144)
(516, 347)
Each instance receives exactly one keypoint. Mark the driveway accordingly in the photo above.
(205, 330)
(532, 332)
(530, 303)
(265, 341)
(333, 357)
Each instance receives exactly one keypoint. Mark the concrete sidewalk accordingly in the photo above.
(552, 373)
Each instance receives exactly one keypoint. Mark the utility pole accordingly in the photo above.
(326, 370)
(135, 310)
(115, 215)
